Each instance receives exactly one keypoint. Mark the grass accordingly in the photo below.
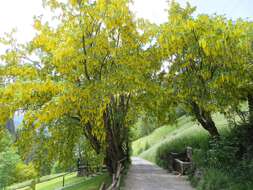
(185, 128)
(71, 180)
(91, 184)
(57, 183)
(26, 183)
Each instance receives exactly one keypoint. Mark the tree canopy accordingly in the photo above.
(89, 70)
(210, 61)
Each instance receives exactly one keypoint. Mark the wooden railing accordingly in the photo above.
(89, 170)
(116, 178)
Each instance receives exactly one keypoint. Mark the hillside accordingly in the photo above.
(185, 128)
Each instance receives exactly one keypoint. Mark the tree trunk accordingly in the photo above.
(205, 119)
(250, 106)
(117, 133)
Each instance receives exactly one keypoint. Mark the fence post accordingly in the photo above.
(63, 180)
(33, 184)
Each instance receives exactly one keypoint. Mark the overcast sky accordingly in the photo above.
(19, 13)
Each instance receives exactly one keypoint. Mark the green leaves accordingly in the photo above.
(209, 58)
(94, 53)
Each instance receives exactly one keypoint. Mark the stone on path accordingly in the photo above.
(144, 175)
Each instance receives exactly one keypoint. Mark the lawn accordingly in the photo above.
(57, 183)
(71, 180)
(91, 184)
(42, 179)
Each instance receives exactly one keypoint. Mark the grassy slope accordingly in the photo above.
(185, 127)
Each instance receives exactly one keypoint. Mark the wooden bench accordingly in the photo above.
(181, 162)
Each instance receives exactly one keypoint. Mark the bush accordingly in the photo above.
(144, 126)
(147, 146)
(228, 163)
(8, 161)
(57, 168)
(140, 151)
(214, 179)
(220, 153)
(24, 172)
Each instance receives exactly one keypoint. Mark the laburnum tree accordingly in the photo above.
(210, 62)
(82, 74)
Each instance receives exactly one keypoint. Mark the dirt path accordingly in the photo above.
(144, 175)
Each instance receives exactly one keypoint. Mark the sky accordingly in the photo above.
(19, 14)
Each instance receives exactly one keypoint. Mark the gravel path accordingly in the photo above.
(144, 175)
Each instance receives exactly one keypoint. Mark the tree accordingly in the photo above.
(8, 160)
(208, 62)
(91, 67)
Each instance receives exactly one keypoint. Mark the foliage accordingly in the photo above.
(89, 71)
(209, 62)
(57, 168)
(88, 155)
(8, 160)
(144, 126)
(228, 164)
(24, 172)
(215, 179)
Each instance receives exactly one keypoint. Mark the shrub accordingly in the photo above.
(57, 168)
(8, 161)
(147, 146)
(214, 179)
(140, 151)
(24, 172)
(228, 163)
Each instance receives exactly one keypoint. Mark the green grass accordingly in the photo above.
(91, 184)
(185, 128)
(75, 183)
(25, 183)
(56, 183)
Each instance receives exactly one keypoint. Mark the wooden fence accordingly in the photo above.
(116, 178)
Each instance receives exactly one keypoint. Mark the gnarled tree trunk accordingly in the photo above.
(205, 119)
(117, 133)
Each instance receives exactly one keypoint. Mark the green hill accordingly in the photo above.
(184, 129)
